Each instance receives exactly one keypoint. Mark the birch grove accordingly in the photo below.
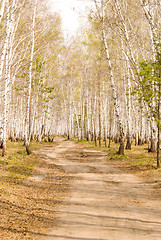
(27, 132)
(93, 87)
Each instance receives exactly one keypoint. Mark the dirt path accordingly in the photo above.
(104, 202)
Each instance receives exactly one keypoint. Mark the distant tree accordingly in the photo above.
(150, 87)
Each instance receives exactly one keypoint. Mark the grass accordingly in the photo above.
(24, 202)
(138, 158)
(17, 166)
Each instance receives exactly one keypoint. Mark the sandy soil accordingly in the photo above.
(77, 194)
(104, 202)
(28, 209)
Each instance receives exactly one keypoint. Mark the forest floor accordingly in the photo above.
(79, 193)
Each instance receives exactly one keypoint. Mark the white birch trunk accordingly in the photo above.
(82, 111)
(30, 82)
(95, 119)
(152, 32)
(152, 27)
(2, 61)
(128, 97)
(5, 103)
(123, 21)
(99, 109)
(87, 120)
(2, 9)
(116, 105)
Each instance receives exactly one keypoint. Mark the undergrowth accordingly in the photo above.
(17, 166)
(137, 158)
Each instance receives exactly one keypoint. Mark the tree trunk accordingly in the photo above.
(109, 143)
(139, 140)
(6, 82)
(121, 148)
(158, 147)
(95, 135)
(158, 125)
(2, 9)
(128, 144)
(27, 121)
(105, 136)
(28, 149)
(128, 99)
(153, 137)
(99, 110)
(116, 105)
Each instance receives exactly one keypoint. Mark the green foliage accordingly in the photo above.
(149, 89)
(39, 65)
(82, 141)
(138, 159)
(17, 89)
(48, 89)
(19, 165)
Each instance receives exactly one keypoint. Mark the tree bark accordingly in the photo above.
(5, 104)
(27, 121)
(2, 9)
(158, 126)
(116, 105)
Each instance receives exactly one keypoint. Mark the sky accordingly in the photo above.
(72, 13)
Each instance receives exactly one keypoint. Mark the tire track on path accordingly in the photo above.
(104, 203)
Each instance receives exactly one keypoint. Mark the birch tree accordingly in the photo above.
(5, 103)
(2, 9)
(27, 132)
(152, 11)
(151, 74)
(116, 105)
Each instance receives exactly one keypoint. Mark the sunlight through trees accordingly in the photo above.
(103, 84)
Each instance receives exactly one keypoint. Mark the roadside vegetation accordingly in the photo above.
(30, 190)
(17, 165)
(28, 206)
(137, 160)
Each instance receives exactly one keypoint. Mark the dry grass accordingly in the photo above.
(28, 207)
(138, 159)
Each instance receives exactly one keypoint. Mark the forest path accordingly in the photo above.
(103, 203)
